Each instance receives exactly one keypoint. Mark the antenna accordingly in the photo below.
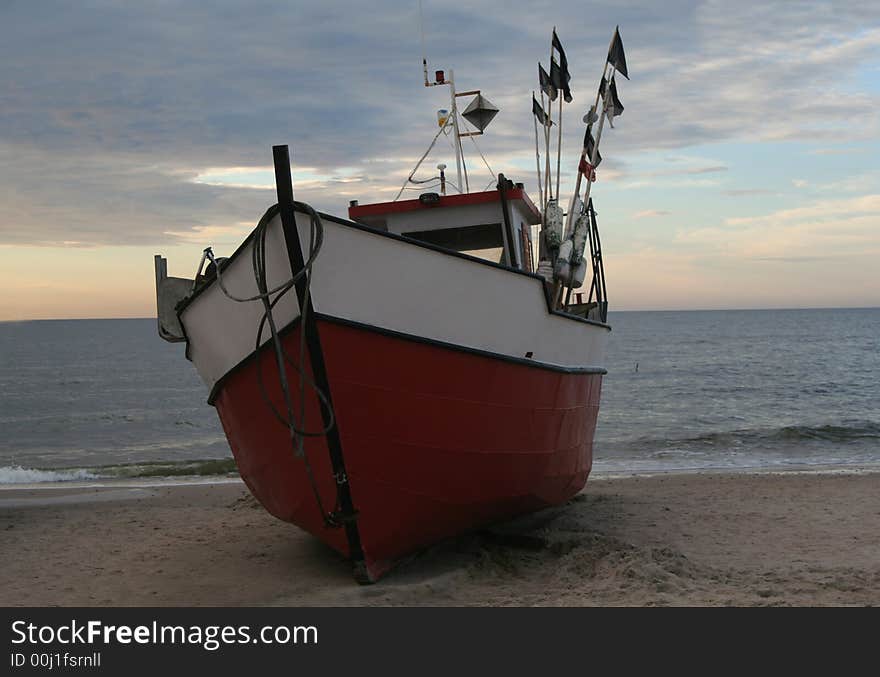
(441, 79)
(439, 76)
(424, 53)
(479, 112)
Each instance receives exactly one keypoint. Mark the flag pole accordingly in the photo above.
(598, 139)
(550, 110)
(547, 124)
(599, 93)
(538, 159)
(557, 287)
(577, 187)
(458, 150)
(559, 148)
(604, 93)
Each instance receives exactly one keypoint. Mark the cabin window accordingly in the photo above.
(484, 242)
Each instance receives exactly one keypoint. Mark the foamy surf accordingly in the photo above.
(210, 470)
(19, 475)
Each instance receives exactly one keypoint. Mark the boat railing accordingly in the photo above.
(596, 305)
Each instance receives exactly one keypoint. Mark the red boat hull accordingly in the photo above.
(436, 440)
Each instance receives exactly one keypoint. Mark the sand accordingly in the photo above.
(696, 539)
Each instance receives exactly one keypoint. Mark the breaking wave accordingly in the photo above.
(830, 433)
(201, 468)
(18, 475)
(857, 431)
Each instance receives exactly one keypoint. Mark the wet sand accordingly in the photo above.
(697, 539)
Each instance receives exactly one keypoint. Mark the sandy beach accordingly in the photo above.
(694, 539)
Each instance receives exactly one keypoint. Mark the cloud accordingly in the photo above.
(837, 151)
(217, 235)
(854, 183)
(113, 111)
(650, 213)
(821, 253)
(825, 228)
(793, 259)
(706, 170)
(665, 182)
(672, 171)
(696, 168)
(740, 192)
(859, 206)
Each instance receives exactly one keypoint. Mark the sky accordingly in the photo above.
(743, 173)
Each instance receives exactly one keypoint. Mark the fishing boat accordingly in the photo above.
(421, 368)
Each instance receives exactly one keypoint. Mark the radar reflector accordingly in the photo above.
(480, 112)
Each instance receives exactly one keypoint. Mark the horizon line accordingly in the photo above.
(629, 310)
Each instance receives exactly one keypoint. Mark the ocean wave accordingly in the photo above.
(676, 453)
(203, 467)
(855, 431)
(19, 475)
(831, 433)
(199, 468)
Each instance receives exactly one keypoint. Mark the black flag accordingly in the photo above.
(557, 77)
(546, 83)
(616, 57)
(589, 144)
(539, 113)
(565, 76)
(612, 102)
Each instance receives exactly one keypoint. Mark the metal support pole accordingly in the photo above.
(284, 187)
(458, 153)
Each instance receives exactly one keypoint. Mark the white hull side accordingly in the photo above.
(377, 280)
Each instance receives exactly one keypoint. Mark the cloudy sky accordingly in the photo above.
(744, 172)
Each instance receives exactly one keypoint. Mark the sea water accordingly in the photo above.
(694, 390)
(741, 389)
(87, 398)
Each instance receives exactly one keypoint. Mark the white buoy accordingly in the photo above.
(553, 225)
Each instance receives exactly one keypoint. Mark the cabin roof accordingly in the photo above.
(356, 212)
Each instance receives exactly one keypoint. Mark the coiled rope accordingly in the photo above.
(296, 426)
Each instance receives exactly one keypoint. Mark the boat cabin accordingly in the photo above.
(494, 225)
